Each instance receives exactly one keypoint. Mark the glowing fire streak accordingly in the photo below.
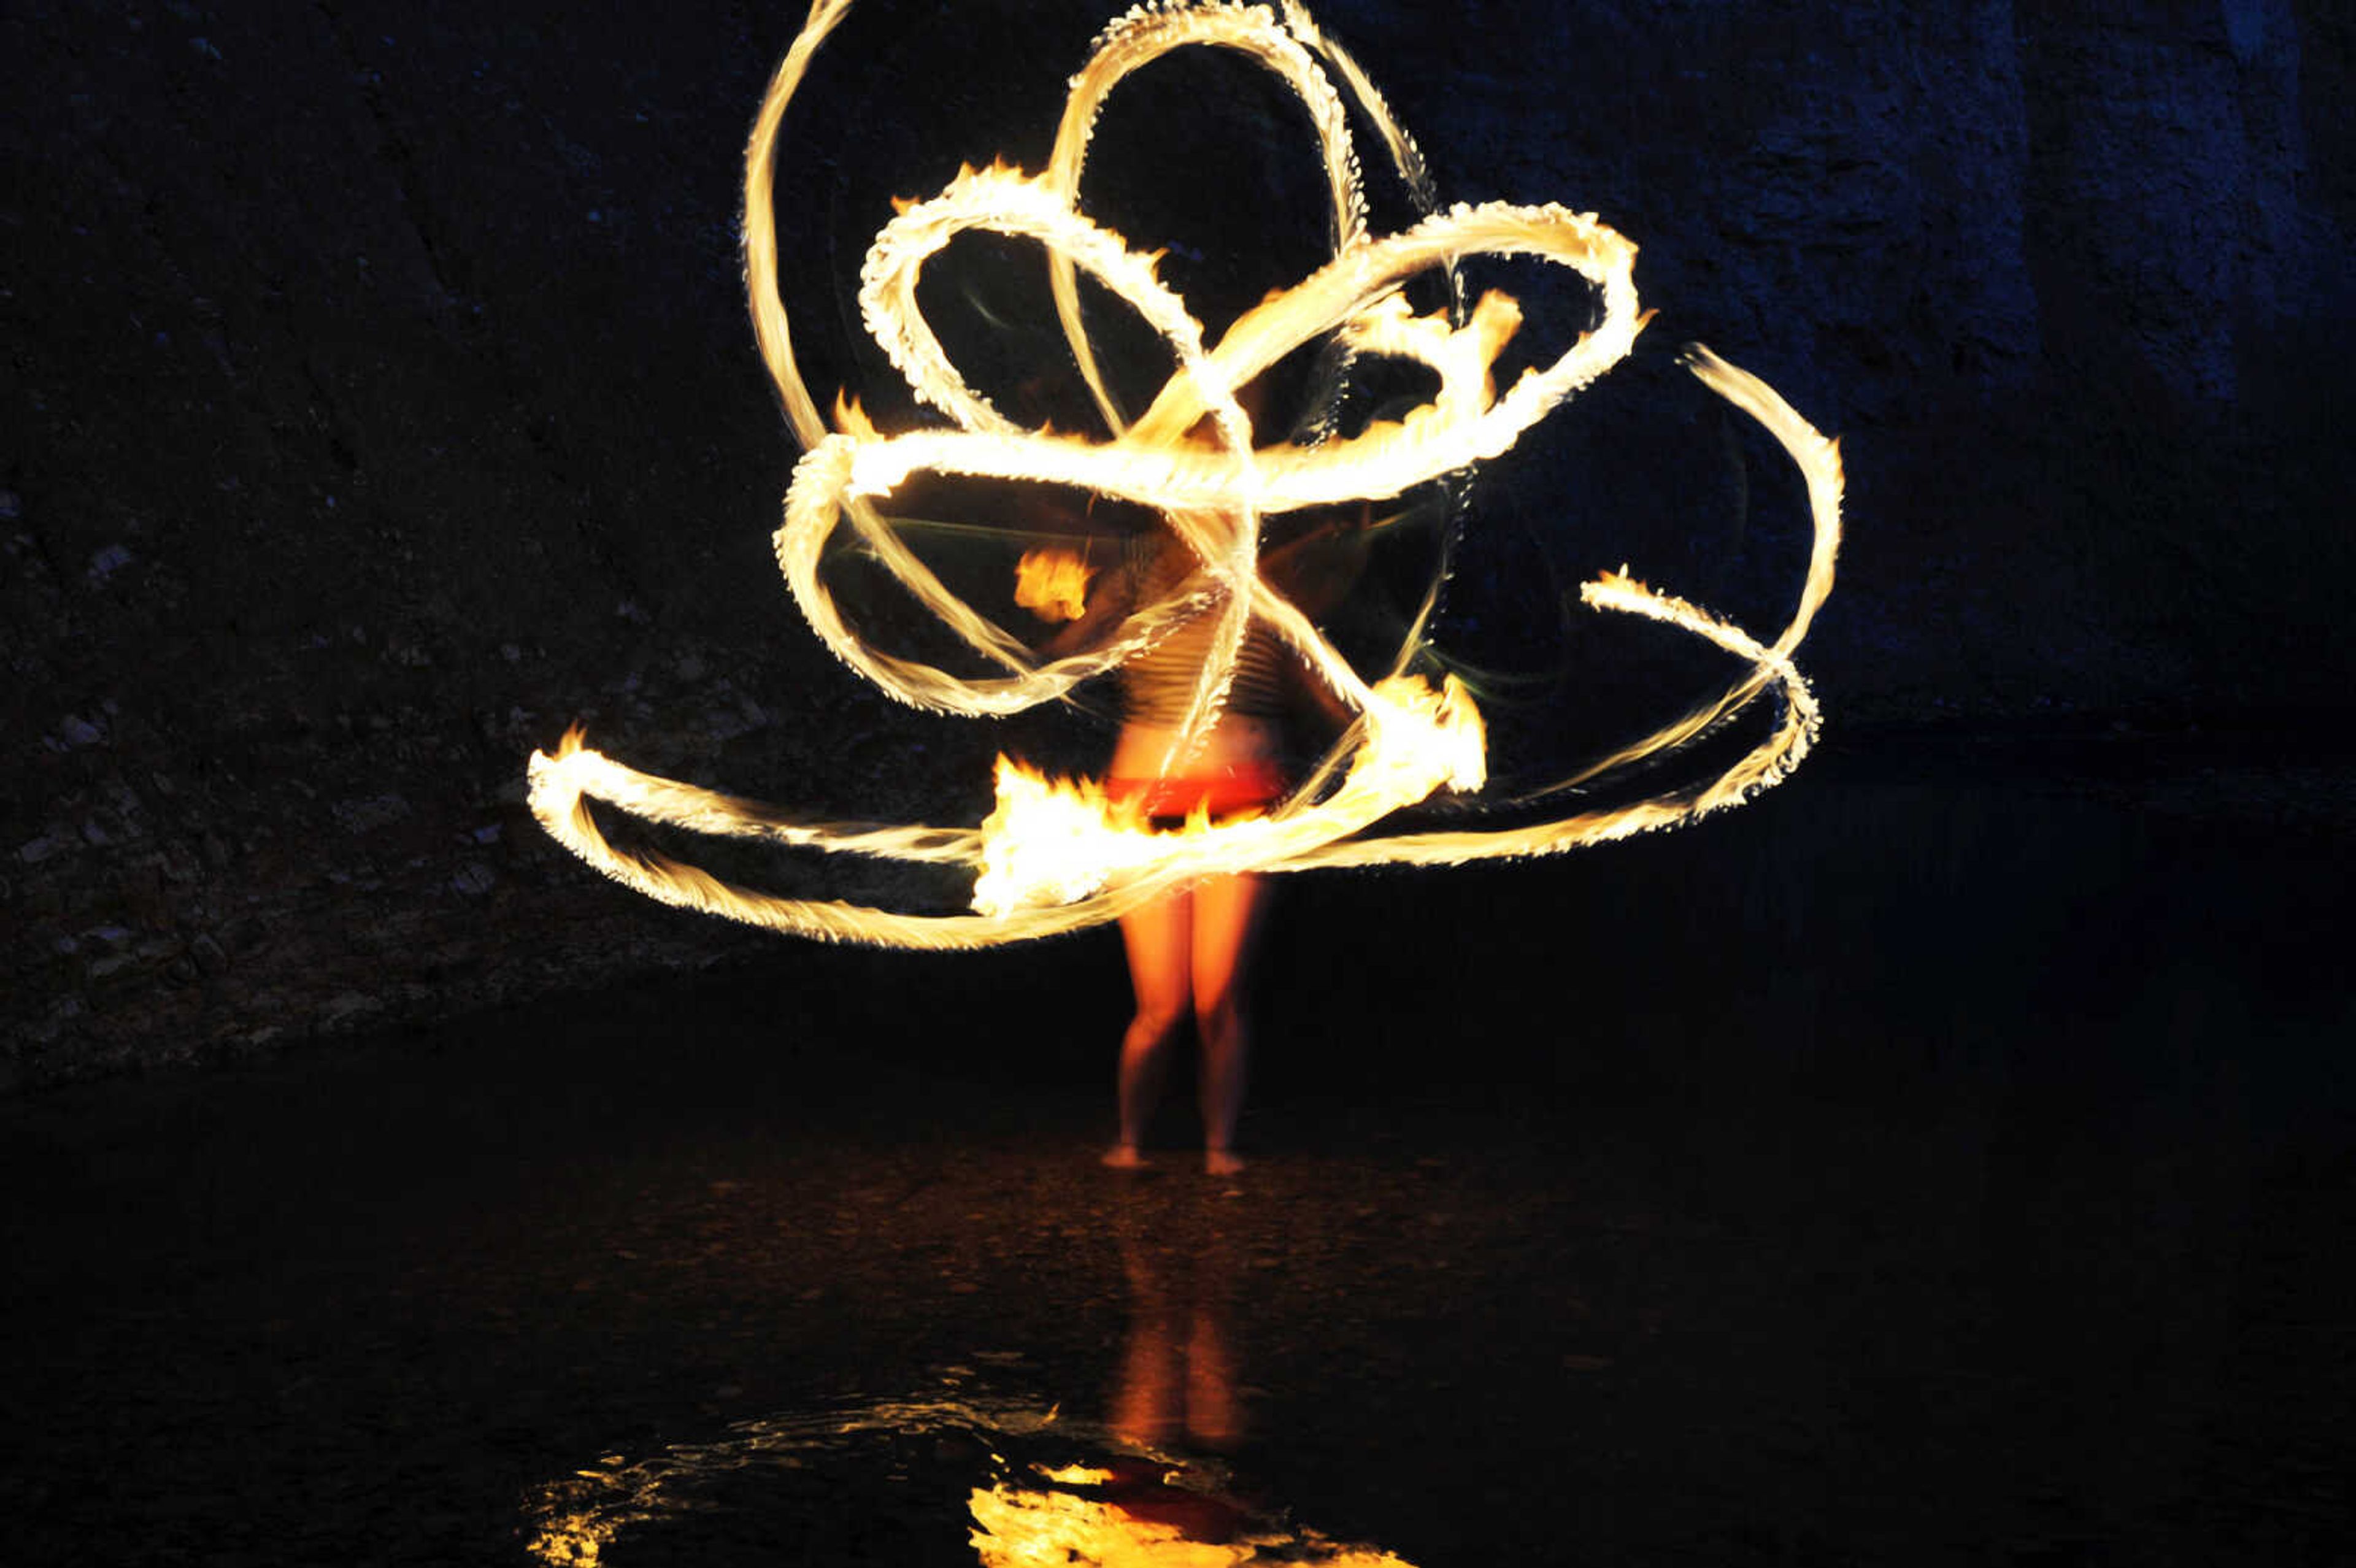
(1054, 858)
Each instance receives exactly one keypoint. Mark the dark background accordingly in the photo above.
(379, 399)
(1945, 1158)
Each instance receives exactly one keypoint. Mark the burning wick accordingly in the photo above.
(1055, 857)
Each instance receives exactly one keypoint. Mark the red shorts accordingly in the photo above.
(1234, 789)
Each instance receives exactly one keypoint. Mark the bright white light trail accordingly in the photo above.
(1055, 857)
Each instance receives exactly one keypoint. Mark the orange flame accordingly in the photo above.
(1053, 584)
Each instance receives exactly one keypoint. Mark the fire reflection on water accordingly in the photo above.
(1143, 1519)
(1152, 1487)
(1038, 1487)
(1138, 1508)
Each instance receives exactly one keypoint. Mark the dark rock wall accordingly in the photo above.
(379, 400)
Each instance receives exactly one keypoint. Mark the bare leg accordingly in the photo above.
(1157, 939)
(1226, 915)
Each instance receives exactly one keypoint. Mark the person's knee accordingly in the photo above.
(1217, 1016)
(1155, 1020)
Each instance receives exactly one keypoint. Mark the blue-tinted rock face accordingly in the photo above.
(381, 400)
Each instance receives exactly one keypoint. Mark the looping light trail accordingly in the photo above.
(1055, 857)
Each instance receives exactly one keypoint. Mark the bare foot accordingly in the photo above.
(1124, 1157)
(1222, 1162)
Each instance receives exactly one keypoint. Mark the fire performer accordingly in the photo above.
(1190, 951)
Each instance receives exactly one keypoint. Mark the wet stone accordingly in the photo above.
(367, 814)
(34, 851)
(111, 970)
(346, 1008)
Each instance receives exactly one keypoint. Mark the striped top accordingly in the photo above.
(1156, 685)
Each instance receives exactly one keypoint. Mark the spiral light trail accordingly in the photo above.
(1056, 857)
